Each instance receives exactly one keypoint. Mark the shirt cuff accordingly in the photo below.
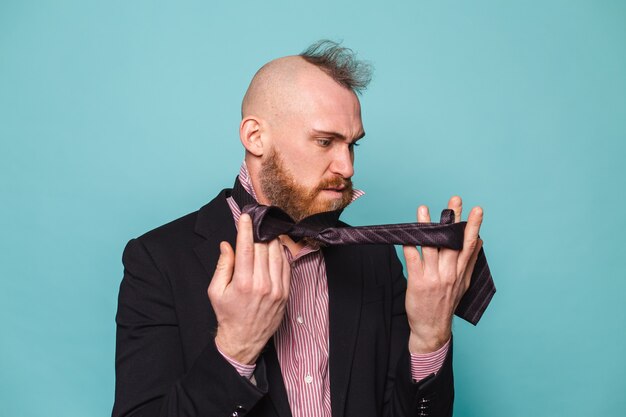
(424, 364)
(244, 370)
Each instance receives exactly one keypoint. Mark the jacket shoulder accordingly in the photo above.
(189, 229)
(171, 231)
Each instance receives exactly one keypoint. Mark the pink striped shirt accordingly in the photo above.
(301, 340)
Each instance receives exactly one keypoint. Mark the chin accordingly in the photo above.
(327, 204)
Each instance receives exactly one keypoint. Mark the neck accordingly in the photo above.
(253, 166)
(294, 247)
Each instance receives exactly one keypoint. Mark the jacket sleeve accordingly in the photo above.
(151, 376)
(432, 396)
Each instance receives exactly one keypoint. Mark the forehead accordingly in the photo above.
(325, 105)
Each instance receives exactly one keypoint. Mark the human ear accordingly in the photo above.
(250, 135)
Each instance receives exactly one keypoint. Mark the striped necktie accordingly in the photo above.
(270, 222)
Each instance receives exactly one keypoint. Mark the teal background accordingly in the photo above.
(118, 116)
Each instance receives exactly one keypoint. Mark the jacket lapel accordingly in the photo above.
(345, 286)
(215, 224)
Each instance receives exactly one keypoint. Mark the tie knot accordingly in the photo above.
(269, 222)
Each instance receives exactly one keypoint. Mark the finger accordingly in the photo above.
(244, 257)
(448, 258)
(414, 264)
(470, 238)
(286, 273)
(430, 255)
(275, 259)
(448, 264)
(456, 204)
(223, 271)
(261, 273)
(471, 264)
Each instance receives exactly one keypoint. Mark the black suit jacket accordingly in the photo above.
(167, 363)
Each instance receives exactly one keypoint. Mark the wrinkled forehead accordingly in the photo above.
(315, 96)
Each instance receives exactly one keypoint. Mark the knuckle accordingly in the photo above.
(263, 288)
(211, 292)
(222, 265)
(243, 286)
(447, 267)
(466, 284)
(276, 295)
(428, 281)
(448, 278)
(246, 250)
(411, 256)
(448, 275)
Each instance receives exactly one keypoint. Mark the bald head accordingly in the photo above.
(274, 85)
(274, 89)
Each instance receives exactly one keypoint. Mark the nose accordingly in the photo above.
(343, 162)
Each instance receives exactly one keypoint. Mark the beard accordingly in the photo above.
(283, 191)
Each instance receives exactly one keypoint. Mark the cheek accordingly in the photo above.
(314, 175)
(309, 170)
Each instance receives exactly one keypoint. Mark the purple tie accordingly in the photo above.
(269, 222)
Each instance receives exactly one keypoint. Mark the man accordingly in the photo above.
(289, 328)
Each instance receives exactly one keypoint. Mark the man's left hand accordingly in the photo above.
(437, 279)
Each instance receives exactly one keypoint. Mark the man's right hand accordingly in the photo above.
(248, 292)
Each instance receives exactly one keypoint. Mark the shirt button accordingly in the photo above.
(300, 320)
(308, 379)
(239, 411)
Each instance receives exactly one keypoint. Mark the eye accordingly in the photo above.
(323, 142)
(353, 145)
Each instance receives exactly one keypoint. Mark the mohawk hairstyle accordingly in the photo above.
(340, 64)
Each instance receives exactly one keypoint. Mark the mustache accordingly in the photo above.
(336, 182)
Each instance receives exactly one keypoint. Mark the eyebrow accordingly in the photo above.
(338, 135)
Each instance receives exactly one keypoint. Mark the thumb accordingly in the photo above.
(223, 271)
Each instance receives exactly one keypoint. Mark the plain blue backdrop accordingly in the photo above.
(117, 116)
